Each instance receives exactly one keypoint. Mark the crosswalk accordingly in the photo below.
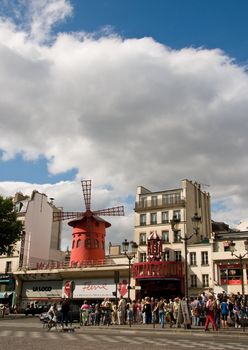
(178, 342)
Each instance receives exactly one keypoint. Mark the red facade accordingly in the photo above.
(88, 243)
(155, 269)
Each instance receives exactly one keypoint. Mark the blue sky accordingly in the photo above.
(126, 93)
(176, 23)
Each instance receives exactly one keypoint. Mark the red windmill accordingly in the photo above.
(89, 230)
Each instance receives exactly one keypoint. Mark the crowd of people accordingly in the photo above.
(221, 311)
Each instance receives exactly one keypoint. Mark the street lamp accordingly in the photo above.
(240, 257)
(130, 255)
(196, 219)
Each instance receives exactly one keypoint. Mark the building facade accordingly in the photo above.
(173, 255)
(40, 241)
(159, 211)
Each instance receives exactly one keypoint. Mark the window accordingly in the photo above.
(226, 246)
(73, 243)
(96, 243)
(153, 218)
(8, 267)
(171, 198)
(192, 258)
(177, 236)
(142, 219)
(87, 243)
(205, 280)
(231, 275)
(142, 257)
(103, 246)
(142, 238)
(165, 217)
(165, 236)
(204, 258)
(78, 243)
(177, 214)
(193, 280)
(10, 252)
(154, 201)
(167, 255)
(143, 202)
(178, 256)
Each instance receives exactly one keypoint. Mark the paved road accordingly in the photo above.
(29, 334)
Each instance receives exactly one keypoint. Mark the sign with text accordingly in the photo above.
(92, 288)
(41, 289)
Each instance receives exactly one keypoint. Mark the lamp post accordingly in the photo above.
(130, 255)
(174, 225)
(241, 258)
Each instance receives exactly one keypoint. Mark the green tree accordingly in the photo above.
(10, 228)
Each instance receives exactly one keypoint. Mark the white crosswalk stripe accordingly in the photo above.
(19, 334)
(36, 335)
(50, 335)
(5, 333)
(87, 337)
(125, 339)
(180, 343)
(149, 341)
(107, 338)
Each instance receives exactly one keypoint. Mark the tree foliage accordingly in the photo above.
(10, 228)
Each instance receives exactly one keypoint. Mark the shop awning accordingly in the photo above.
(3, 295)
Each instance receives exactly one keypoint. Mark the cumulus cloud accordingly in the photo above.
(124, 112)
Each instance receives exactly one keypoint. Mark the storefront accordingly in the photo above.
(40, 292)
(94, 289)
(230, 274)
(7, 289)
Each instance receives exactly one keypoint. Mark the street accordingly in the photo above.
(28, 333)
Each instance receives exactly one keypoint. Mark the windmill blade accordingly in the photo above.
(115, 211)
(86, 186)
(66, 215)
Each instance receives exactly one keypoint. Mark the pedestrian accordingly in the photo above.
(224, 313)
(84, 313)
(65, 308)
(129, 313)
(121, 311)
(147, 309)
(195, 311)
(161, 312)
(210, 306)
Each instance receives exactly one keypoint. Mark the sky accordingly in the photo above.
(126, 93)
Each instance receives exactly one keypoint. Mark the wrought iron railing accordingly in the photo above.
(57, 265)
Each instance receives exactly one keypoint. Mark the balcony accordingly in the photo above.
(149, 205)
(158, 269)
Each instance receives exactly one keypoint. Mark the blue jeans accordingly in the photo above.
(161, 318)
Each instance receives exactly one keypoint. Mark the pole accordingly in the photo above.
(129, 277)
(186, 268)
(242, 276)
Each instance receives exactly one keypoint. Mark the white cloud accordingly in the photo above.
(125, 112)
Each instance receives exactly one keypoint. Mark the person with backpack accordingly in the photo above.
(224, 309)
(195, 311)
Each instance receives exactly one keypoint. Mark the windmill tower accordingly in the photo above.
(89, 229)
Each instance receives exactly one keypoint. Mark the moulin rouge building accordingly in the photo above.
(161, 267)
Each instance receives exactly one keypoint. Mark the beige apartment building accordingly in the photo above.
(170, 214)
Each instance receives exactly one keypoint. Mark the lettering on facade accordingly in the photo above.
(42, 289)
(91, 287)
